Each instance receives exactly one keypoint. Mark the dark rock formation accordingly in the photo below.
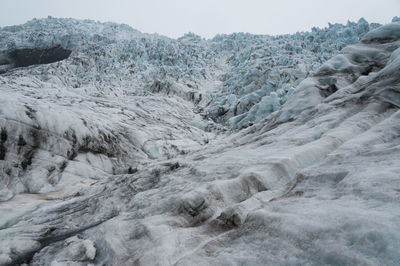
(32, 56)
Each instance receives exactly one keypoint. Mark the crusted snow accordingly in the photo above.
(129, 151)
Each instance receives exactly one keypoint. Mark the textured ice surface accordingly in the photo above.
(126, 153)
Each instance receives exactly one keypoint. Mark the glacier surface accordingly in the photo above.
(124, 148)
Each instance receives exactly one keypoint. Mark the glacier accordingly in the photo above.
(124, 148)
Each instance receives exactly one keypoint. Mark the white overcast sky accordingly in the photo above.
(206, 18)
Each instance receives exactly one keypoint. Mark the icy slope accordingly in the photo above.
(103, 165)
(264, 70)
(249, 67)
(122, 97)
